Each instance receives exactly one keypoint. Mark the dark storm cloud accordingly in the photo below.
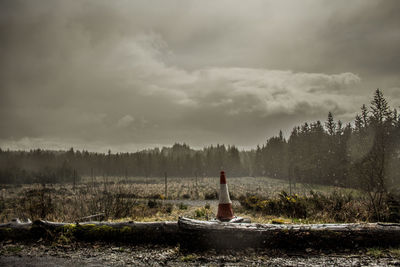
(365, 34)
(131, 74)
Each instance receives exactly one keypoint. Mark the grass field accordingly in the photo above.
(139, 198)
(181, 188)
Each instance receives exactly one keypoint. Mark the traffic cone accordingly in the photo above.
(225, 212)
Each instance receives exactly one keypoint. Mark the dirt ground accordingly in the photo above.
(39, 254)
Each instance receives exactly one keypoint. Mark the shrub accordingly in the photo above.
(169, 207)
(292, 206)
(339, 207)
(393, 203)
(182, 206)
(152, 203)
(211, 195)
(202, 213)
(37, 203)
(158, 196)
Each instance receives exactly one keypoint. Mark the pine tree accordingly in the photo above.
(373, 167)
(330, 124)
(364, 115)
(379, 108)
(358, 124)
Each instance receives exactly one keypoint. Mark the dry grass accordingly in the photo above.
(138, 199)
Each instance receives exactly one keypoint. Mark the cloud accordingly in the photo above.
(125, 121)
(119, 73)
(271, 91)
(134, 78)
(248, 90)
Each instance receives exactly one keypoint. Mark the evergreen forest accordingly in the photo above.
(362, 154)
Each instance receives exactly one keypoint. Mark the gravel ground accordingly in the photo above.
(38, 254)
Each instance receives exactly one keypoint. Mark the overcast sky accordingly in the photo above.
(127, 75)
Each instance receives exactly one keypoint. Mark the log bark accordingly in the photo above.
(99, 216)
(169, 225)
(201, 234)
(194, 234)
(165, 232)
(16, 223)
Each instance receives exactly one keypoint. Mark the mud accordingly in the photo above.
(85, 254)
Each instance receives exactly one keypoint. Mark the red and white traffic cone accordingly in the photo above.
(225, 212)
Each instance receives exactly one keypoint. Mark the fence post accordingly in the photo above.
(91, 175)
(166, 185)
(197, 189)
(74, 180)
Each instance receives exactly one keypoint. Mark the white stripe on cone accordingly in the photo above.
(224, 194)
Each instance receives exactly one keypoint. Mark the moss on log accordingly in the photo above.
(129, 232)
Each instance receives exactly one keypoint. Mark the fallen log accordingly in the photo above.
(16, 223)
(213, 234)
(165, 232)
(195, 234)
(99, 216)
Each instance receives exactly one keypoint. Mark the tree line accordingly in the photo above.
(364, 153)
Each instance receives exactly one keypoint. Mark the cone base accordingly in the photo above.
(225, 212)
